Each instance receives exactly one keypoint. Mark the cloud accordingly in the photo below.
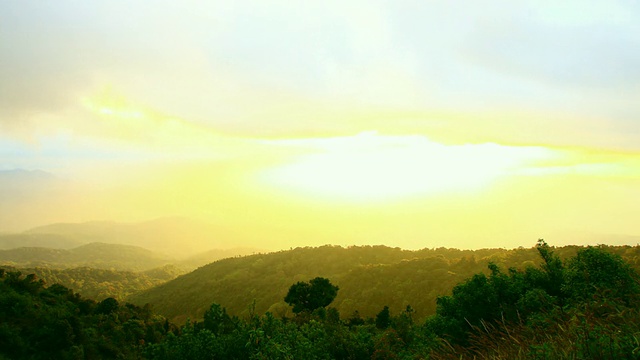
(596, 55)
(265, 69)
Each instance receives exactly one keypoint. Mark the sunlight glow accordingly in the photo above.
(125, 120)
(116, 107)
(370, 166)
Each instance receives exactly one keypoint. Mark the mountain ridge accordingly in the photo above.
(95, 255)
(369, 278)
(175, 236)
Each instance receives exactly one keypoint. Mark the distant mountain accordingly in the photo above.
(52, 241)
(177, 236)
(95, 255)
(18, 183)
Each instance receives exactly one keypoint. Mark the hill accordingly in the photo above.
(52, 241)
(585, 306)
(369, 277)
(99, 284)
(95, 255)
(212, 255)
(38, 322)
(180, 237)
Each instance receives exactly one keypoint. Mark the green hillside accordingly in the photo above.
(212, 255)
(567, 303)
(95, 255)
(38, 322)
(369, 278)
(99, 284)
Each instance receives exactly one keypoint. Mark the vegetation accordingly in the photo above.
(99, 284)
(309, 296)
(38, 322)
(369, 278)
(207, 257)
(584, 308)
(94, 255)
(585, 305)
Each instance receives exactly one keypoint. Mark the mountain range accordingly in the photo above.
(176, 237)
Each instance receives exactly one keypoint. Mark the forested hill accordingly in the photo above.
(99, 284)
(95, 255)
(369, 277)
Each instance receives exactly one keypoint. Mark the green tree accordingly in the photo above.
(553, 268)
(308, 296)
(594, 271)
(509, 297)
(107, 306)
(216, 319)
(383, 319)
(355, 319)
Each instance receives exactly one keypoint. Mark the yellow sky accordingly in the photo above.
(405, 124)
(365, 188)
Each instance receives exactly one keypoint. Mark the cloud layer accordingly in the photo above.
(276, 68)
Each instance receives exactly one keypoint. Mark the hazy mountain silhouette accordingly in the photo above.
(52, 241)
(177, 236)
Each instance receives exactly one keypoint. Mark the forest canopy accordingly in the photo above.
(583, 306)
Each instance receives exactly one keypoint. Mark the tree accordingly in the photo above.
(216, 319)
(355, 319)
(383, 319)
(107, 306)
(595, 271)
(308, 296)
(553, 268)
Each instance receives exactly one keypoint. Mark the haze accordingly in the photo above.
(411, 124)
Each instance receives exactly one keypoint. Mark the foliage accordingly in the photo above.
(99, 284)
(593, 271)
(94, 255)
(267, 337)
(383, 319)
(369, 277)
(309, 296)
(600, 330)
(37, 322)
(583, 303)
(569, 303)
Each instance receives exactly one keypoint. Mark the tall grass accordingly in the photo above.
(598, 329)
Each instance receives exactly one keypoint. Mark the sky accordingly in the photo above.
(407, 123)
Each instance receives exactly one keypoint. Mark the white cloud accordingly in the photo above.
(268, 67)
